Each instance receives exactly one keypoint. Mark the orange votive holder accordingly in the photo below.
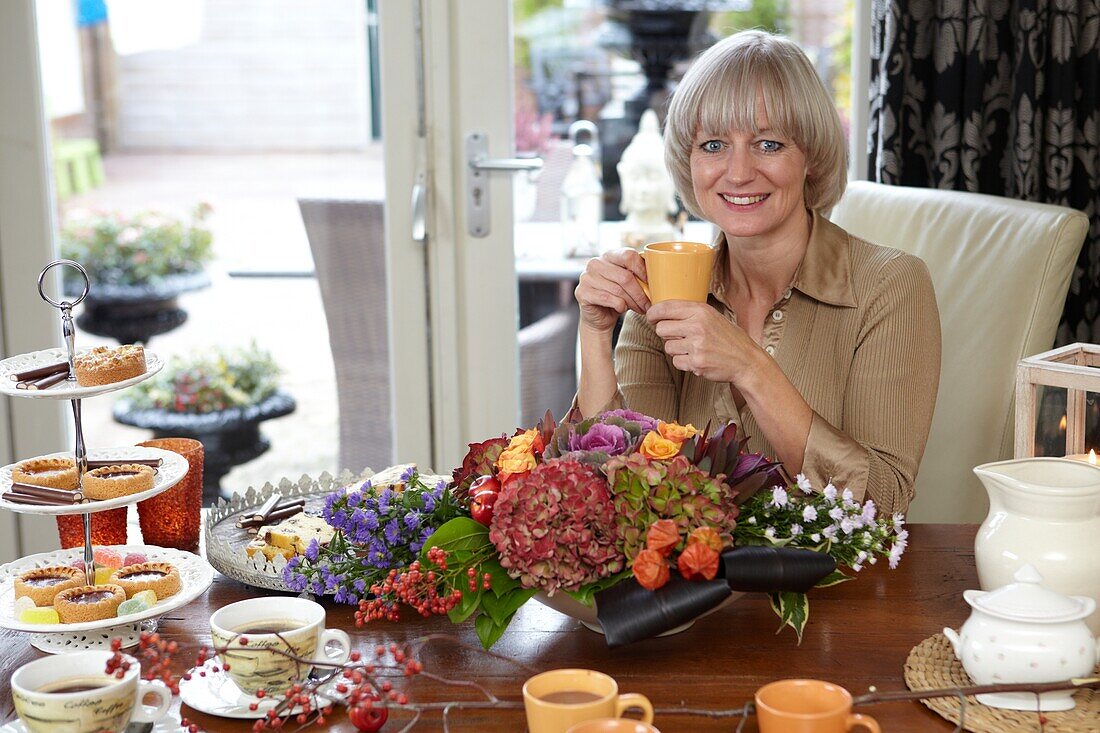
(173, 518)
(108, 528)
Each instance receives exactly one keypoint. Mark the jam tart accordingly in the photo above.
(160, 577)
(88, 603)
(41, 585)
(106, 365)
(54, 473)
(111, 482)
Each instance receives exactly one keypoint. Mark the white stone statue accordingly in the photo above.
(648, 196)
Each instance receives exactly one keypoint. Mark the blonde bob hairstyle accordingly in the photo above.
(721, 91)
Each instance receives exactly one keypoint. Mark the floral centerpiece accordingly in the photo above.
(622, 510)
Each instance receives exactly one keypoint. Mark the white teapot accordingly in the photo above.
(1025, 633)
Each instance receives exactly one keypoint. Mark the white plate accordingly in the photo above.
(165, 725)
(217, 694)
(173, 467)
(65, 390)
(195, 577)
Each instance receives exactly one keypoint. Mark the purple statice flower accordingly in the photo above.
(412, 521)
(313, 550)
(429, 501)
(609, 439)
(354, 498)
(384, 500)
(360, 585)
(646, 422)
(407, 474)
(392, 532)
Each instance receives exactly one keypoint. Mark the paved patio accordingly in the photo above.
(257, 228)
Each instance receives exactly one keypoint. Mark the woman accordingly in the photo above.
(824, 348)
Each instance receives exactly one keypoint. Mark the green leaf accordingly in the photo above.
(499, 580)
(488, 631)
(470, 602)
(793, 610)
(587, 593)
(834, 578)
(460, 536)
(502, 608)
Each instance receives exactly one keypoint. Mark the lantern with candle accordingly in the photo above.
(1075, 369)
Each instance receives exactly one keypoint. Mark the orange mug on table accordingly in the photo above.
(808, 706)
(557, 700)
(678, 271)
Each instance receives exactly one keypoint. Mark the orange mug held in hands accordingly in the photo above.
(808, 706)
(557, 700)
(678, 271)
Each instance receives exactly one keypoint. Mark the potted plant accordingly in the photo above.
(137, 265)
(219, 398)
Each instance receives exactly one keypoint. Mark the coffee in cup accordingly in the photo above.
(74, 693)
(561, 698)
(808, 706)
(678, 271)
(272, 628)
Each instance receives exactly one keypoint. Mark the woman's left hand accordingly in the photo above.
(701, 341)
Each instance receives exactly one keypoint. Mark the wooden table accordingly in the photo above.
(859, 634)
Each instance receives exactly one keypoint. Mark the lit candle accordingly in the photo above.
(1089, 457)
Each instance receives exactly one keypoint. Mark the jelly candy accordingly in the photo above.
(134, 558)
(39, 616)
(103, 575)
(107, 557)
(22, 604)
(134, 605)
(148, 597)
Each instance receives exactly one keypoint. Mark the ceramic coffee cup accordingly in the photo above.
(613, 725)
(557, 700)
(678, 271)
(294, 625)
(73, 693)
(808, 706)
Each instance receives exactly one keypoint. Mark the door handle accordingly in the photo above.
(478, 165)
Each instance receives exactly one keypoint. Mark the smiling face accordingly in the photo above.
(750, 184)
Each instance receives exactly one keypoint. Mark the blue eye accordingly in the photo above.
(711, 146)
(771, 146)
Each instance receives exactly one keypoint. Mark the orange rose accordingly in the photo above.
(528, 441)
(515, 462)
(675, 432)
(650, 569)
(659, 449)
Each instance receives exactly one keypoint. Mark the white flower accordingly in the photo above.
(861, 557)
(847, 495)
(830, 492)
(779, 497)
(872, 559)
(869, 511)
(847, 525)
(804, 483)
(899, 521)
(770, 533)
(815, 537)
(836, 513)
(809, 513)
(857, 567)
(829, 532)
(796, 529)
(895, 555)
(752, 520)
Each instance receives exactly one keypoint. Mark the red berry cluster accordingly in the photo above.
(423, 589)
(472, 580)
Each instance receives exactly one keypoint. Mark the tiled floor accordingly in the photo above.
(256, 227)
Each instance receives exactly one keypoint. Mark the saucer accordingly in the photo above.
(167, 724)
(217, 694)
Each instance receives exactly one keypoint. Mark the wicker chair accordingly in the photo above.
(547, 365)
(346, 237)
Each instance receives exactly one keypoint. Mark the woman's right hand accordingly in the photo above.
(609, 287)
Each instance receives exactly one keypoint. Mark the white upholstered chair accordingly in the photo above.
(1001, 270)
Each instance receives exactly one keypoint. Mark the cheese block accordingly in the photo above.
(259, 546)
(295, 533)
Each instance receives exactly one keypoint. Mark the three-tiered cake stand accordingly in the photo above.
(195, 573)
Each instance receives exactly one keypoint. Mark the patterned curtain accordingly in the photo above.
(1000, 97)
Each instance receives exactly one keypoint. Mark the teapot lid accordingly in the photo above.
(1027, 600)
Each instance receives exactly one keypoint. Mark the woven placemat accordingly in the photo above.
(932, 664)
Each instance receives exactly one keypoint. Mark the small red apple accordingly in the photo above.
(481, 505)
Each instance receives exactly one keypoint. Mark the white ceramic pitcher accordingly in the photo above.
(1044, 512)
